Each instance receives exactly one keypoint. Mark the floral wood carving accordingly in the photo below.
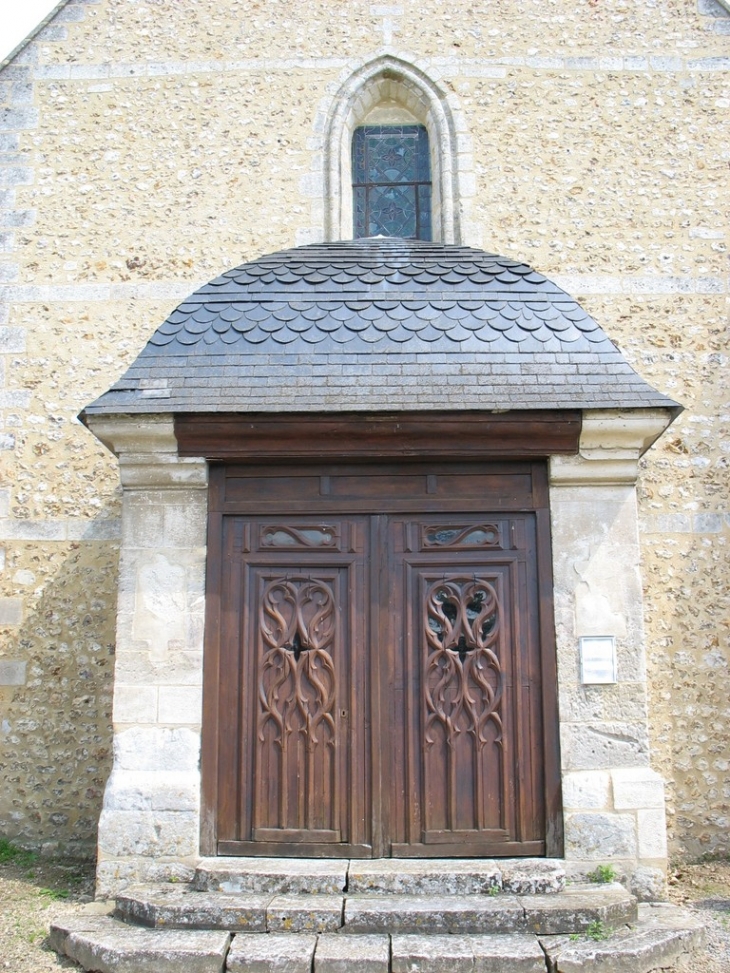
(461, 535)
(297, 619)
(285, 535)
(464, 677)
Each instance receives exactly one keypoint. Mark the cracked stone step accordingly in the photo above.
(280, 876)
(571, 911)
(433, 914)
(664, 936)
(455, 876)
(104, 945)
(467, 954)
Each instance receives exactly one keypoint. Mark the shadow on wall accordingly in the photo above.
(55, 721)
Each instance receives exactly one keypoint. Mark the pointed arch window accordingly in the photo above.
(391, 181)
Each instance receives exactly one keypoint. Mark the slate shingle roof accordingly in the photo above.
(374, 324)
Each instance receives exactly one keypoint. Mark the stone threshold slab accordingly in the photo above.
(519, 876)
(459, 876)
(283, 876)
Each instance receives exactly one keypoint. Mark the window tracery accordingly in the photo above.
(391, 172)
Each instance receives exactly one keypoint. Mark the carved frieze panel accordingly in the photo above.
(464, 536)
(293, 537)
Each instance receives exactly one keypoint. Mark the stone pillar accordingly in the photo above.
(613, 801)
(150, 825)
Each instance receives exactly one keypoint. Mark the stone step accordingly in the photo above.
(662, 937)
(570, 911)
(102, 944)
(181, 907)
(458, 876)
(467, 954)
(283, 876)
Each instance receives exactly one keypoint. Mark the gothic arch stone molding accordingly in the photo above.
(388, 79)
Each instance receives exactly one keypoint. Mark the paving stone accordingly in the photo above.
(271, 954)
(467, 954)
(577, 907)
(305, 913)
(104, 945)
(280, 876)
(352, 954)
(419, 877)
(664, 936)
(176, 907)
(532, 876)
(437, 914)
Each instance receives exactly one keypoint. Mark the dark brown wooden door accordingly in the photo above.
(380, 676)
(467, 704)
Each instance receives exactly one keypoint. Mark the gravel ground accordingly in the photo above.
(705, 889)
(35, 891)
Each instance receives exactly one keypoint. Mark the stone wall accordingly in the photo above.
(145, 147)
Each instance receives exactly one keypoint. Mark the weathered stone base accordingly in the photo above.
(660, 938)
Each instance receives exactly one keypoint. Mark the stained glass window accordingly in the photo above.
(391, 181)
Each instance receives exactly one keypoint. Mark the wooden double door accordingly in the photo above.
(380, 676)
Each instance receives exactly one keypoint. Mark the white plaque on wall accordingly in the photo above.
(597, 659)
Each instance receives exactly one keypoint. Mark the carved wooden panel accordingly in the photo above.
(297, 725)
(293, 749)
(463, 681)
(299, 536)
(470, 738)
(465, 536)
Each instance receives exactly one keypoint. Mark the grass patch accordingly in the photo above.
(11, 854)
(597, 931)
(53, 895)
(603, 874)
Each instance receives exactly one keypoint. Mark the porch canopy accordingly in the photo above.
(378, 324)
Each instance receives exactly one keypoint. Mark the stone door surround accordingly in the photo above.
(613, 803)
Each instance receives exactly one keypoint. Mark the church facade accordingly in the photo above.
(148, 148)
